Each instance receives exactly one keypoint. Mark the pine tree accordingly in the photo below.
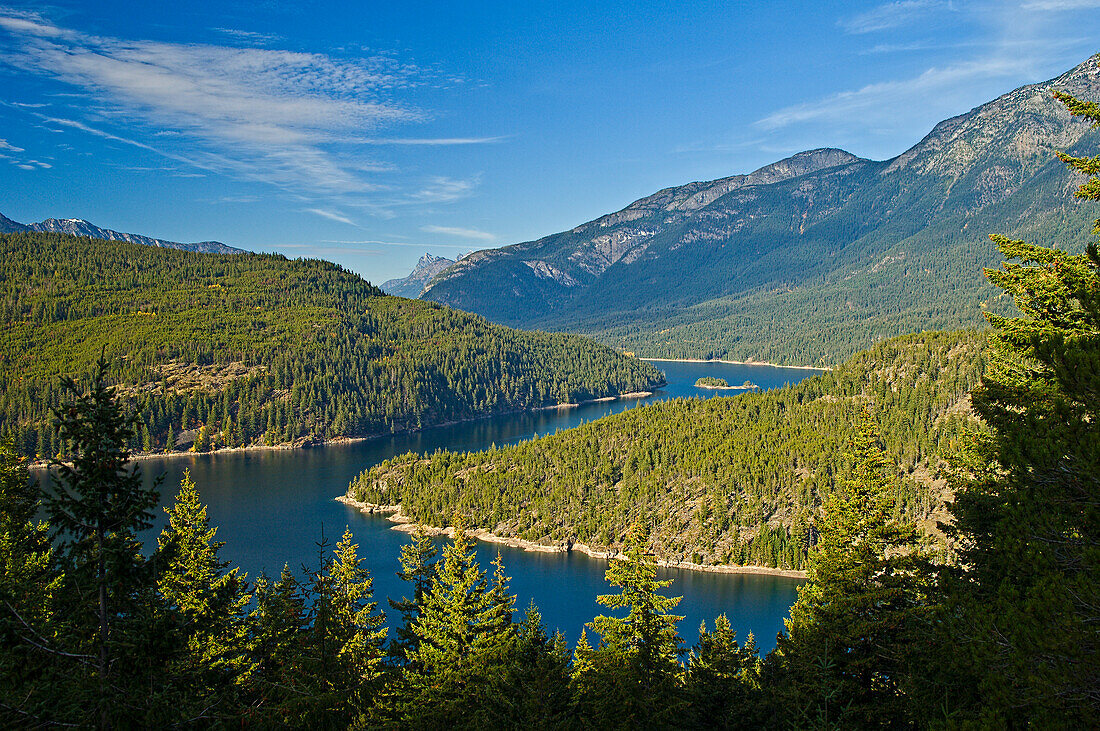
(1027, 512)
(207, 606)
(852, 630)
(336, 662)
(28, 583)
(355, 632)
(502, 605)
(634, 680)
(458, 631)
(722, 683)
(530, 687)
(278, 626)
(97, 507)
(418, 569)
(582, 660)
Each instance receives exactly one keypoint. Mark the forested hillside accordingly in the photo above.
(231, 350)
(810, 259)
(726, 480)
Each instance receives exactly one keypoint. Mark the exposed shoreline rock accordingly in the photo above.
(407, 525)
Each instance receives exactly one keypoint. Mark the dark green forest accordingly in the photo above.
(220, 350)
(724, 480)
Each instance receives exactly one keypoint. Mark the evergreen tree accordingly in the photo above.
(458, 637)
(28, 582)
(502, 605)
(722, 682)
(348, 636)
(277, 626)
(418, 569)
(635, 671)
(97, 507)
(206, 605)
(851, 633)
(1023, 611)
(532, 689)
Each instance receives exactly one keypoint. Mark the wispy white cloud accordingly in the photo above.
(889, 98)
(1006, 46)
(331, 215)
(20, 161)
(73, 124)
(16, 21)
(248, 36)
(897, 48)
(465, 233)
(331, 251)
(432, 141)
(286, 118)
(892, 15)
(433, 245)
(442, 189)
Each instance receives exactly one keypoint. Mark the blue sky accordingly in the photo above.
(368, 133)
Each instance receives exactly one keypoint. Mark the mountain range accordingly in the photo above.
(80, 227)
(809, 259)
(425, 270)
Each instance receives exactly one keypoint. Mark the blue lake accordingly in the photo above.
(272, 506)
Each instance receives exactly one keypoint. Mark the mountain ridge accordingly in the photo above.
(81, 227)
(853, 249)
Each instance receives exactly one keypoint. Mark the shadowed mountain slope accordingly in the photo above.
(809, 259)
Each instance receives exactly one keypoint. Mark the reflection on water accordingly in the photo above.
(271, 507)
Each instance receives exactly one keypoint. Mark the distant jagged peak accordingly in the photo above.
(428, 259)
(412, 285)
(81, 227)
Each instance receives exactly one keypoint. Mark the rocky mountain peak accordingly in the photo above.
(80, 227)
(661, 272)
(427, 267)
(802, 163)
(1015, 128)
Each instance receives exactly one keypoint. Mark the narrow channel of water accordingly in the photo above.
(271, 507)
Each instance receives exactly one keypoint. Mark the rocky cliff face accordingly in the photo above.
(411, 286)
(80, 227)
(901, 238)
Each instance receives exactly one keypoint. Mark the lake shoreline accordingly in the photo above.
(406, 524)
(308, 443)
(735, 362)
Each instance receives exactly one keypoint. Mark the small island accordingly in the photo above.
(713, 382)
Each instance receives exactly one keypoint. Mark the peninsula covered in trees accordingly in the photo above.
(243, 349)
(722, 481)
